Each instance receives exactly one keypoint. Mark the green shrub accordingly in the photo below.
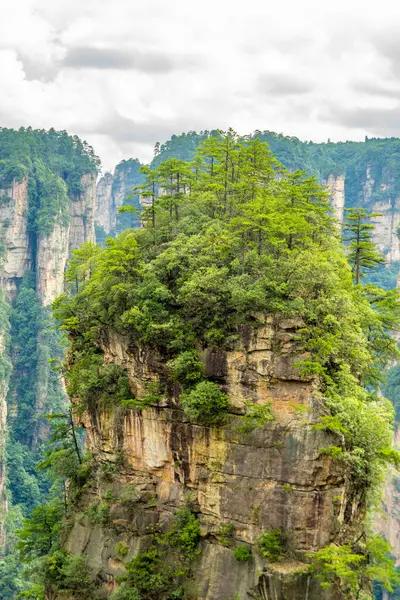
(108, 495)
(271, 545)
(347, 569)
(224, 534)
(71, 574)
(256, 416)
(108, 470)
(124, 592)
(96, 383)
(151, 394)
(148, 574)
(162, 570)
(287, 487)
(186, 368)
(121, 548)
(99, 514)
(336, 452)
(242, 553)
(205, 403)
(185, 533)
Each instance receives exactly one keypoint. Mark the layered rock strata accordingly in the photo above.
(48, 255)
(274, 477)
(335, 184)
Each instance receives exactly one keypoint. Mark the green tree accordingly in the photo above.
(362, 252)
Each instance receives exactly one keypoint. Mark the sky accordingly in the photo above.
(125, 74)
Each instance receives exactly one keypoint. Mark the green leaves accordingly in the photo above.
(271, 545)
(186, 368)
(349, 570)
(161, 570)
(362, 253)
(205, 403)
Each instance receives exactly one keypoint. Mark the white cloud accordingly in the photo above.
(126, 74)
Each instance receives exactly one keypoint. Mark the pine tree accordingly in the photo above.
(362, 251)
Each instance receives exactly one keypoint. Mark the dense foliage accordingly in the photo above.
(377, 158)
(54, 164)
(350, 570)
(227, 236)
(230, 235)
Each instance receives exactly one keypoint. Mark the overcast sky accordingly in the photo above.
(124, 74)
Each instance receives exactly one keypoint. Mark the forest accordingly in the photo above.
(53, 164)
(228, 234)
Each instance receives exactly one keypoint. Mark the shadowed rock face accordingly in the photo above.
(272, 477)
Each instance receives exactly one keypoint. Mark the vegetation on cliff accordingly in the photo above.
(227, 238)
(377, 159)
(54, 163)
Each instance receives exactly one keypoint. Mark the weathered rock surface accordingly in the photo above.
(47, 255)
(376, 197)
(82, 209)
(388, 520)
(105, 210)
(272, 477)
(113, 190)
(16, 257)
(51, 259)
(335, 185)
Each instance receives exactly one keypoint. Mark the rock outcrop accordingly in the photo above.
(47, 255)
(113, 192)
(385, 233)
(272, 477)
(376, 197)
(82, 210)
(105, 209)
(335, 184)
(15, 249)
(53, 250)
(3, 489)
(388, 519)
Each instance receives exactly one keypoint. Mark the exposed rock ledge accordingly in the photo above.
(273, 477)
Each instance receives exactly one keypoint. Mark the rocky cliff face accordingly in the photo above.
(105, 209)
(388, 520)
(113, 192)
(274, 477)
(3, 489)
(3, 423)
(47, 256)
(16, 254)
(335, 184)
(376, 197)
(54, 250)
